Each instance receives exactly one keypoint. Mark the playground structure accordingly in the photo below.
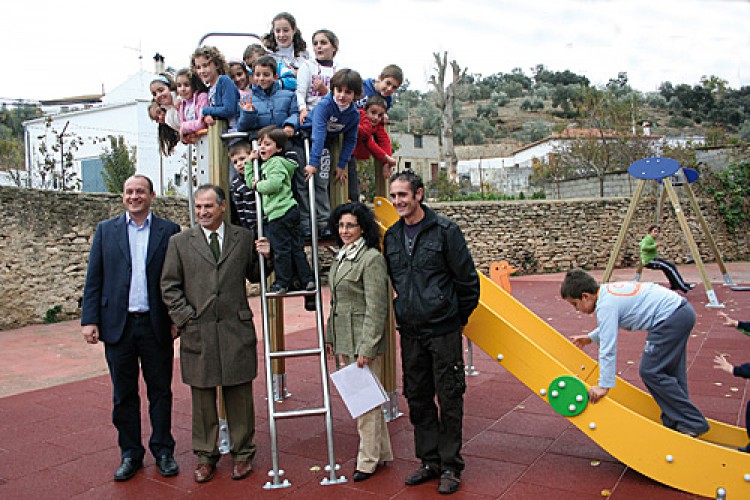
(626, 423)
(208, 162)
(661, 170)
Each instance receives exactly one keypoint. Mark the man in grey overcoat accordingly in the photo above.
(203, 286)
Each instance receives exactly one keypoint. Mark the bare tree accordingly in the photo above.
(444, 99)
(606, 144)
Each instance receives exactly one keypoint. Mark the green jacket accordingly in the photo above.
(359, 304)
(648, 249)
(275, 186)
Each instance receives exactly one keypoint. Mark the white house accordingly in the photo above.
(505, 175)
(420, 153)
(123, 112)
(510, 175)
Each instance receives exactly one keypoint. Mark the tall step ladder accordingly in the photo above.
(274, 413)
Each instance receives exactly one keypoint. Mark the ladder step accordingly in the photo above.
(297, 353)
(295, 293)
(235, 135)
(300, 413)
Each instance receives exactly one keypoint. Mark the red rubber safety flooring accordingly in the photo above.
(57, 441)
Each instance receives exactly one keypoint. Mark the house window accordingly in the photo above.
(434, 171)
(418, 142)
(177, 179)
(407, 165)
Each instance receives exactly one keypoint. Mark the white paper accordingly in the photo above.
(359, 388)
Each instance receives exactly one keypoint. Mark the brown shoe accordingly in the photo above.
(422, 475)
(449, 482)
(203, 473)
(241, 470)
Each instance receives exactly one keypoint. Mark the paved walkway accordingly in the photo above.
(56, 439)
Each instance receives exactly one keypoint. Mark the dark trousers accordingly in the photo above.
(139, 342)
(433, 366)
(663, 369)
(288, 248)
(670, 271)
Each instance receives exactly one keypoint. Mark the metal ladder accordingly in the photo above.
(274, 413)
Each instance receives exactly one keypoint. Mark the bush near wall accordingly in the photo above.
(45, 239)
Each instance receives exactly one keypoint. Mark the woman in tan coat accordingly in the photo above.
(356, 325)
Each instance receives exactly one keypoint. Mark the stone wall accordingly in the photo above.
(554, 235)
(45, 239)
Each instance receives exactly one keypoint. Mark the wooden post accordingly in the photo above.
(338, 192)
(660, 206)
(710, 293)
(381, 183)
(218, 174)
(707, 233)
(623, 231)
(278, 343)
(218, 166)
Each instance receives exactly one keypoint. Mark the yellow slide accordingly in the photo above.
(626, 422)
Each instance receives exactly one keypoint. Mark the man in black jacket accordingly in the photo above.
(437, 289)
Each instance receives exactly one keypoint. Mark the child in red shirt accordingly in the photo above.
(372, 138)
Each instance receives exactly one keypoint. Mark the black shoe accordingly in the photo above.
(127, 469)
(449, 482)
(361, 476)
(310, 286)
(278, 289)
(745, 449)
(167, 466)
(425, 473)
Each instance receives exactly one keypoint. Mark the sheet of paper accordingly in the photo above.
(359, 388)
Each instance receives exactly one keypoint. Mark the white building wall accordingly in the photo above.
(502, 174)
(94, 127)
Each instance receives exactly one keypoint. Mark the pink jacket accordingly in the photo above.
(198, 102)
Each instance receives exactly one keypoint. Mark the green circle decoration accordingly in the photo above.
(568, 396)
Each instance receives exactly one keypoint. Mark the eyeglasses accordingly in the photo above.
(347, 226)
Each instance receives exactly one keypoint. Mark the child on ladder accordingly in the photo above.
(281, 210)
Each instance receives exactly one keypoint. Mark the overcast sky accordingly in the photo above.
(61, 49)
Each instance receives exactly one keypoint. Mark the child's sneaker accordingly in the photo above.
(277, 288)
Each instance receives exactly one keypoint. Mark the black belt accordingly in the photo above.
(138, 314)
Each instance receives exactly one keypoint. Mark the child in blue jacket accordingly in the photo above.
(334, 115)
(211, 66)
(268, 104)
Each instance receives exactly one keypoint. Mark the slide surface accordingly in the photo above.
(626, 422)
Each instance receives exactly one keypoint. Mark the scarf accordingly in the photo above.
(351, 250)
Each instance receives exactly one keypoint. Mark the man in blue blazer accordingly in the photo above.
(122, 307)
